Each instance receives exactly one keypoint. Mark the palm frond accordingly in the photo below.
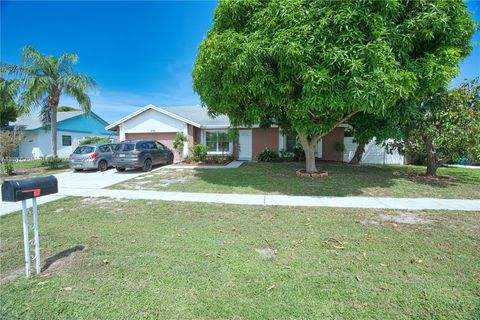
(79, 94)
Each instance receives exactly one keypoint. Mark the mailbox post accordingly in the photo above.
(16, 190)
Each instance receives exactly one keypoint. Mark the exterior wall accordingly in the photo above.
(328, 145)
(196, 135)
(264, 138)
(36, 144)
(152, 121)
(165, 138)
(374, 154)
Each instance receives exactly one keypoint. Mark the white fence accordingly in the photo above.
(374, 154)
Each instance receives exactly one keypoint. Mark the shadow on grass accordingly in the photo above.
(63, 254)
(343, 180)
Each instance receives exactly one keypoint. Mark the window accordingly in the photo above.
(124, 147)
(105, 148)
(84, 150)
(217, 141)
(160, 146)
(290, 142)
(66, 141)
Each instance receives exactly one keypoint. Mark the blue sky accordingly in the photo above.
(138, 52)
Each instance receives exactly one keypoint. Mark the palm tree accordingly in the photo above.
(44, 79)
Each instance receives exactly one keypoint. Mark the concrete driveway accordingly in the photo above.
(81, 183)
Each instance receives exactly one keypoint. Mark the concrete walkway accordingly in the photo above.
(232, 165)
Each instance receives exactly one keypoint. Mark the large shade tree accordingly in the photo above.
(444, 126)
(43, 81)
(309, 66)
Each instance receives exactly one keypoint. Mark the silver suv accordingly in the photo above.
(92, 156)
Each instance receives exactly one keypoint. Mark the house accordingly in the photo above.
(72, 127)
(162, 124)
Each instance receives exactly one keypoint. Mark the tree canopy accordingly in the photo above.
(9, 110)
(310, 65)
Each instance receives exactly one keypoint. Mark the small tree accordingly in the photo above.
(179, 142)
(445, 126)
(310, 65)
(364, 127)
(9, 141)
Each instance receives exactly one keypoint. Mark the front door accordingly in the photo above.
(245, 144)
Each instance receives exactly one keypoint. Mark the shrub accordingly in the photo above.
(267, 155)
(93, 140)
(299, 153)
(54, 162)
(188, 159)
(9, 140)
(199, 152)
(287, 155)
(178, 142)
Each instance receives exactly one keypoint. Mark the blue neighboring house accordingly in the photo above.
(72, 127)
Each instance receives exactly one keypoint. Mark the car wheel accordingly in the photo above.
(102, 165)
(147, 165)
(170, 160)
(120, 169)
(77, 170)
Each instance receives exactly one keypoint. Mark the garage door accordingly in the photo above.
(165, 138)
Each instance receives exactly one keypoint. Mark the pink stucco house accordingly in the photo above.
(162, 124)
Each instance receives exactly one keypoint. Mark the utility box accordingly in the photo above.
(17, 190)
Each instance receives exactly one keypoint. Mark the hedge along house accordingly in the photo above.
(72, 127)
(162, 124)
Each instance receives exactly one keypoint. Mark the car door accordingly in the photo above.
(164, 152)
(107, 153)
(155, 152)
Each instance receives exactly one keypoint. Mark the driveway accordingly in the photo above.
(77, 184)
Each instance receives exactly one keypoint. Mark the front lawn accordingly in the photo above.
(32, 168)
(164, 260)
(344, 180)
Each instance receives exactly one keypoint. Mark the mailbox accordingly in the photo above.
(21, 190)
(17, 190)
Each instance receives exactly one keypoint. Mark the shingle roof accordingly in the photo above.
(194, 115)
(33, 121)
(199, 115)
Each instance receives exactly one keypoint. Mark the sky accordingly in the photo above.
(138, 52)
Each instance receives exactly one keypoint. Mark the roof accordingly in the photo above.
(33, 121)
(195, 115)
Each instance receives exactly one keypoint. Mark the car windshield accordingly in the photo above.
(84, 150)
(124, 147)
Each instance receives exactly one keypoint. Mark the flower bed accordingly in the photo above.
(304, 173)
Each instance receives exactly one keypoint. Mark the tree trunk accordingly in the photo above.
(309, 145)
(53, 128)
(358, 154)
(431, 159)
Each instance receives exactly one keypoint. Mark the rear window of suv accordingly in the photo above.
(84, 150)
(124, 147)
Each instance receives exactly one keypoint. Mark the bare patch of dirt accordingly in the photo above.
(432, 178)
(267, 252)
(403, 217)
(59, 262)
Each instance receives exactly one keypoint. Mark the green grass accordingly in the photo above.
(164, 260)
(344, 180)
(32, 168)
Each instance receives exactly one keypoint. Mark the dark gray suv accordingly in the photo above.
(140, 154)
